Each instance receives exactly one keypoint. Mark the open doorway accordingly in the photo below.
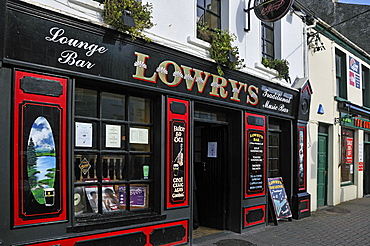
(210, 175)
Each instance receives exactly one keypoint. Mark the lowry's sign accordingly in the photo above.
(271, 10)
(77, 51)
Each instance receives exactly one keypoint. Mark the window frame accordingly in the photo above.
(267, 26)
(365, 76)
(100, 151)
(341, 74)
(345, 133)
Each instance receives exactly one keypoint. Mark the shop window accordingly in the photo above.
(340, 74)
(267, 36)
(113, 154)
(209, 13)
(365, 87)
(347, 158)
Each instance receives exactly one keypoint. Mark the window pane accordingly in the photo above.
(140, 167)
(85, 168)
(114, 136)
(86, 102)
(200, 16)
(114, 167)
(212, 21)
(213, 6)
(110, 199)
(269, 50)
(200, 3)
(269, 35)
(85, 200)
(140, 139)
(113, 106)
(139, 109)
(347, 165)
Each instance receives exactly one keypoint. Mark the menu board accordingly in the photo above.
(279, 198)
(256, 153)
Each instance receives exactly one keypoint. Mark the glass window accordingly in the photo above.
(365, 87)
(113, 153)
(340, 72)
(208, 13)
(347, 157)
(267, 31)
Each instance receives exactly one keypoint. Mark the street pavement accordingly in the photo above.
(345, 224)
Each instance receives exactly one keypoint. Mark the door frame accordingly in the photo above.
(325, 170)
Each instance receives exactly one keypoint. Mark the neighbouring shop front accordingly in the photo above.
(107, 139)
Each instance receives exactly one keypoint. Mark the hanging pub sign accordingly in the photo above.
(177, 184)
(271, 10)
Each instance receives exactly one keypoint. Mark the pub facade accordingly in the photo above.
(107, 139)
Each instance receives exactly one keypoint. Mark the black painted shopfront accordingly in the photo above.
(107, 139)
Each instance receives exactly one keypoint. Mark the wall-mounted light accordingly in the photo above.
(320, 110)
(127, 19)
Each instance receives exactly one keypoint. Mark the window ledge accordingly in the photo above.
(266, 69)
(88, 4)
(106, 222)
(198, 42)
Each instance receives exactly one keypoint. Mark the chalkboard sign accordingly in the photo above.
(256, 165)
(279, 198)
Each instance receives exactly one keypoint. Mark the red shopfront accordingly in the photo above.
(122, 140)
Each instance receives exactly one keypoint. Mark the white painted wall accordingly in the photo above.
(175, 27)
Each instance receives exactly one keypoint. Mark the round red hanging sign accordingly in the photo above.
(271, 10)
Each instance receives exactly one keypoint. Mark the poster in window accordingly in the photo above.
(139, 135)
(349, 150)
(84, 134)
(112, 136)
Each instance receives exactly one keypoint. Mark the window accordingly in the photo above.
(340, 74)
(347, 157)
(113, 154)
(208, 13)
(267, 36)
(365, 87)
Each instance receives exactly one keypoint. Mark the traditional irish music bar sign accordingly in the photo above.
(271, 10)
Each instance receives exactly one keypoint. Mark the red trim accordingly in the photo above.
(307, 201)
(146, 230)
(21, 97)
(248, 129)
(302, 187)
(171, 117)
(247, 210)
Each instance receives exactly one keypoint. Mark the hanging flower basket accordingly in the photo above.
(119, 14)
(221, 50)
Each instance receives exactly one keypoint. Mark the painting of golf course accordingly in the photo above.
(41, 158)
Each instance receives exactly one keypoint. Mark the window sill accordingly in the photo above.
(270, 71)
(348, 183)
(105, 222)
(88, 4)
(198, 42)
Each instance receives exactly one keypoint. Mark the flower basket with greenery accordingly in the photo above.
(281, 66)
(113, 11)
(222, 50)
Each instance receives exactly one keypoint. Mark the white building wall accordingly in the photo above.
(322, 78)
(175, 27)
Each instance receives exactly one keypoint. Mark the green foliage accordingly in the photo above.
(221, 48)
(281, 66)
(140, 12)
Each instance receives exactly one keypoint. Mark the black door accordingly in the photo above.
(210, 170)
(366, 169)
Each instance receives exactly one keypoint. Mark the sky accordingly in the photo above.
(363, 2)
